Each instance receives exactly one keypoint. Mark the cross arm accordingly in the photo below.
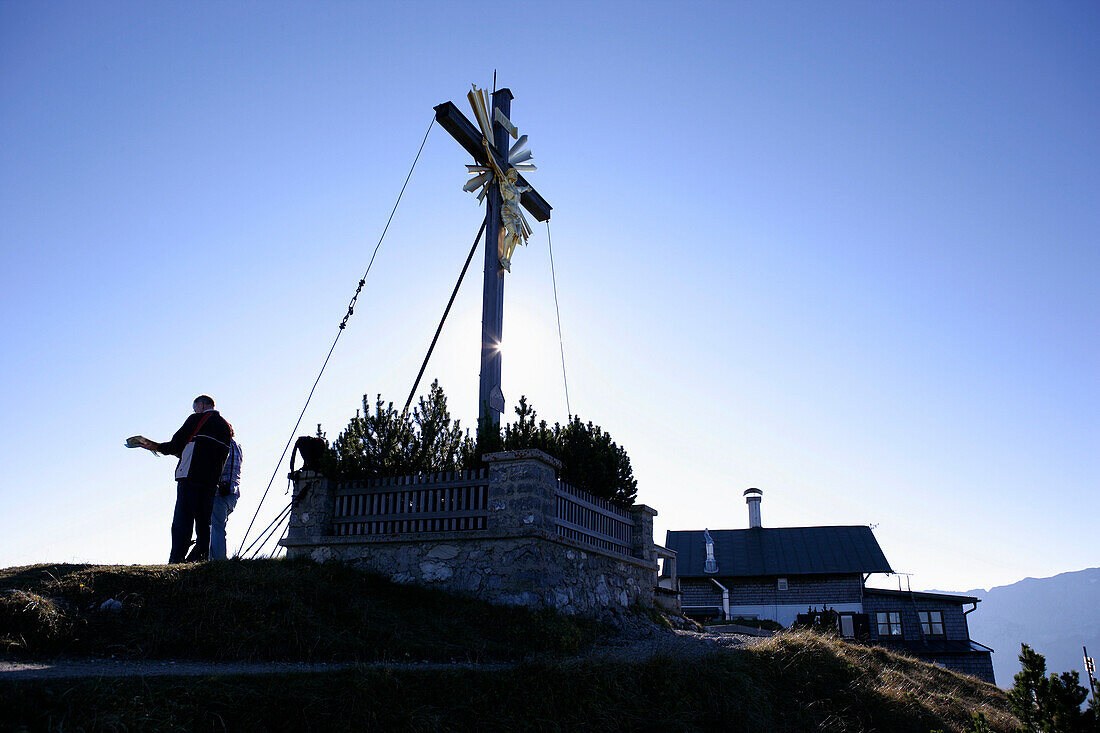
(534, 202)
(468, 136)
(461, 129)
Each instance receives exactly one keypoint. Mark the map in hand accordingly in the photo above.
(140, 441)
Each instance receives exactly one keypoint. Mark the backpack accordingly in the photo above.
(311, 449)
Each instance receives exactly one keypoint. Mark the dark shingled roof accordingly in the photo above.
(947, 597)
(779, 551)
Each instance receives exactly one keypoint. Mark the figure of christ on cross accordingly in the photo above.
(511, 218)
(494, 156)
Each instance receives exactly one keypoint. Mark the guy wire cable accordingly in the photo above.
(446, 311)
(263, 532)
(266, 538)
(343, 323)
(561, 344)
(280, 531)
(277, 529)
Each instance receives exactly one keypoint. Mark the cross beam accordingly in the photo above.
(490, 397)
(453, 121)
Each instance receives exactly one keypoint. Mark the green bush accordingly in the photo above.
(385, 442)
(1049, 704)
(381, 441)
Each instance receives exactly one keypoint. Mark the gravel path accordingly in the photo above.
(679, 644)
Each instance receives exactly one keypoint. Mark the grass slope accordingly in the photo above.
(280, 610)
(264, 610)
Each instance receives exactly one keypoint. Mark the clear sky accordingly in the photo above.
(842, 252)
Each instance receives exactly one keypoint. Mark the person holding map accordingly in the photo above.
(202, 446)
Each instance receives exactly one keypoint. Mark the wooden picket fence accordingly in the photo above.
(458, 502)
(583, 518)
(437, 502)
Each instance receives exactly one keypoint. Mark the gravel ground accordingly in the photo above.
(635, 648)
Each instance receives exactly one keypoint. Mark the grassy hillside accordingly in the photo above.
(264, 610)
(295, 611)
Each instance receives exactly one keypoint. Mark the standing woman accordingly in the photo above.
(226, 499)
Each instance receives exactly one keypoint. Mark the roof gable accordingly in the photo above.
(780, 551)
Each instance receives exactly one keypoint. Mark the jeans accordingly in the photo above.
(194, 502)
(223, 507)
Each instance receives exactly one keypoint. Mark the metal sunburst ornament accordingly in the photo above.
(515, 229)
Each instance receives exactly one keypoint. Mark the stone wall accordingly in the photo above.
(311, 514)
(519, 559)
(535, 571)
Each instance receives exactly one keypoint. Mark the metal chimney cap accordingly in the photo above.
(758, 492)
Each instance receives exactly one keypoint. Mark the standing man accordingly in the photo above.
(202, 445)
(226, 500)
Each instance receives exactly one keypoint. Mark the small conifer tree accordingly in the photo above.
(590, 459)
(1049, 704)
(384, 442)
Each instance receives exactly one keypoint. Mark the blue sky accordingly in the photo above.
(843, 252)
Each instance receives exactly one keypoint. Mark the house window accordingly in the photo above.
(889, 623)
(781, 584)
(847, 625)
(931, 622)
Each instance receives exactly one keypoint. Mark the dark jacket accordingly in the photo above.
(201, 458)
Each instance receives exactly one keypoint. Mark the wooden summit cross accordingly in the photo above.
(504, 223)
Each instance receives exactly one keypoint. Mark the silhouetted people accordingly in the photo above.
(202, 445)
(226, 498)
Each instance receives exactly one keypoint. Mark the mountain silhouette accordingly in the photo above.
(1054, 616)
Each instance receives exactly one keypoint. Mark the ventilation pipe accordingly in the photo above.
(752, 498)
(725, 599)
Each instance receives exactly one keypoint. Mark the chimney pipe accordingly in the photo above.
(752, 498)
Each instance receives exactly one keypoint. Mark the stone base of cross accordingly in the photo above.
(491, 152)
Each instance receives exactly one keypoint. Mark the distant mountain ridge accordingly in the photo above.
(1054, 616)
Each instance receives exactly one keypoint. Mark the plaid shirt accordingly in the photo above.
(231, 473)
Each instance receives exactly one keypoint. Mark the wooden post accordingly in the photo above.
(490, 397)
